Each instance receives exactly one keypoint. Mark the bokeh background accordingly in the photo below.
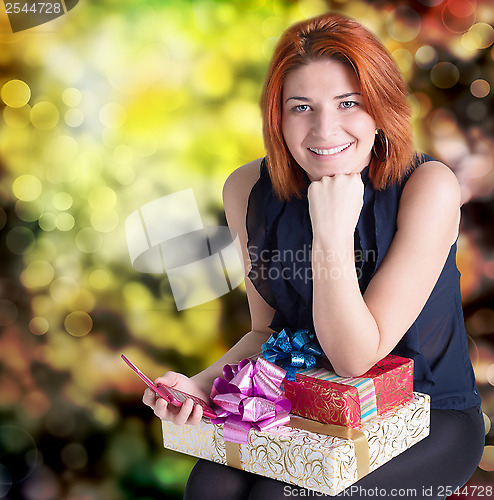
(118, 103)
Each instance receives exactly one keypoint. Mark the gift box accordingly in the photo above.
(319, 394)
(321, 457)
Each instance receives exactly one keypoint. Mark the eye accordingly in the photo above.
(348, 104)
(301, 108)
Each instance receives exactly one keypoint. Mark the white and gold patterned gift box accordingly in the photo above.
(315, 459)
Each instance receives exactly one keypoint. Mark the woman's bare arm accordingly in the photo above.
(356, 331)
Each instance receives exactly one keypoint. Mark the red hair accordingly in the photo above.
(384, 93)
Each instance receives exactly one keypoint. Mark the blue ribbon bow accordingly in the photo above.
(292, 350)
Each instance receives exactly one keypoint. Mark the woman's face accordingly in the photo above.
(324, 121)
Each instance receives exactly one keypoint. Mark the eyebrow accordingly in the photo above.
(343, 96)
(306, 99)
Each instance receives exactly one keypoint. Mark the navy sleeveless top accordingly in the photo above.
(279, 244)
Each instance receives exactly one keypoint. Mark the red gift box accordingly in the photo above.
(319, 394)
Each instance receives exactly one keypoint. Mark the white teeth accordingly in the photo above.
(331, 151)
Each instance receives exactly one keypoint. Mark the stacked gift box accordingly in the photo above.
(339, 429)
(316, 461)
(320, 394)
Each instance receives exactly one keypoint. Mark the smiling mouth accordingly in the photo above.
(332, 151)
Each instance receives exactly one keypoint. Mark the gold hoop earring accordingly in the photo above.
(384, 144)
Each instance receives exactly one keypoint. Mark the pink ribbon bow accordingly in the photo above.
(249, 396)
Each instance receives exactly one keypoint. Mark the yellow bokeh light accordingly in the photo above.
(100, 279)
(64, 221)
(44, 115)
(28, 211)
(64, 290)
(471, 40)
(15, 93)
(487, 423)
(123, 153)
(272, 26)
(61, 151)
(74, 117)
(104, 221)
(47, 248)
(122, 169)
(104, 415)
(112, 115)
(78, 323)
(422, 104)
(404, 59)
(310, 8)
(38, 273)
(137, 296)
(490, 374)
(27, 187)
(17, 117)
(47, 221)
(102, 198)
(85, 301)
(426, 56)
(445, 75)
(61, 172)
(39, 325)
(480, 88)
(460, 50)
(125, 175)
(403, 24)
(144, 145)
(212, 76)
(72, 97)
(250, 113)
(487, 461)
(88, 240)
(41, 305)
(62, 200)
(479, 36)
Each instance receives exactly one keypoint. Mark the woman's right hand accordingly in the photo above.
(189, 413)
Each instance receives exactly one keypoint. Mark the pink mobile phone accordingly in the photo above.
(173, 396)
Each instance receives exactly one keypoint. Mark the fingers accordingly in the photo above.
(149, 397)
(195, 416)
(184, 412)
(188, 413)
(161, 409)
(169, 379)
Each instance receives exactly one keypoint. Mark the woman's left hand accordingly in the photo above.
(335, 203)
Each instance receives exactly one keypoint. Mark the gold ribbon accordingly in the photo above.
(233, 455)
(357, 437)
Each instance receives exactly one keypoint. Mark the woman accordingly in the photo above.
(375, 226)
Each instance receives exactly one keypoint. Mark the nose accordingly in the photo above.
(326, 123)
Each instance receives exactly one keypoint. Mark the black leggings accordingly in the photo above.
(431, 469)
